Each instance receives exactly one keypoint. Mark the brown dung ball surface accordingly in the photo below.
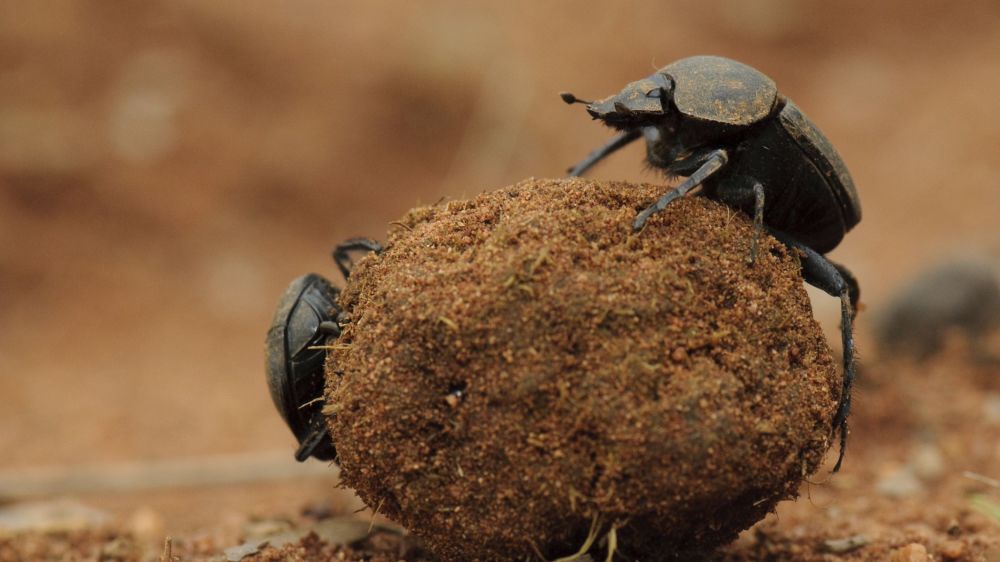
(523, 375)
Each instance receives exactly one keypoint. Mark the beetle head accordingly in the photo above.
(640, 103)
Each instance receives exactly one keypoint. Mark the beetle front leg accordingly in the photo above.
(342, 257)
(604, 151)
(710, 164)
(821, 273)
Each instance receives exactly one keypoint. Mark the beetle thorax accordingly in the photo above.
(721, 90)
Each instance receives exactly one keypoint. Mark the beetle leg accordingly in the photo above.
(758, 220)
(318, 436)
(746, 194)
(342, 257)
(713, 162)
(821, 273)
(604, 150)
(852, 286)
(330, 328)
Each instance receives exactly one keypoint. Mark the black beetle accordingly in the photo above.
(724, 125)
(306, 319)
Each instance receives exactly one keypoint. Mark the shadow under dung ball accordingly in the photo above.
(524, 376)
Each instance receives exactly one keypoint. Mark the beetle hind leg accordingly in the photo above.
(853, 289)
(823, 274)
(317, 441)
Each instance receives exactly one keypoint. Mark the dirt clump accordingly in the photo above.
(524, 376)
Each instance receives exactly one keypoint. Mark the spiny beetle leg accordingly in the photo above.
(746, 194)
(318, 436)
(852, 286)
(821, 273)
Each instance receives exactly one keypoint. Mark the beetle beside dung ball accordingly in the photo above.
(295, 350)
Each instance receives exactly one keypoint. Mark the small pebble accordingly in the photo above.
(50, 516)
(927, 462)
(991, 409)
(952, 550)
(147, 525)
(318, 510)
(901, 483)
(840, 546)
(119, 548)
(237, 553)
(913, 552)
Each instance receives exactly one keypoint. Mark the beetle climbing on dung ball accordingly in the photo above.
(306, 318)
(724, 126)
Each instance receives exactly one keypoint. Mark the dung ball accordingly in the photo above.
(523, 376)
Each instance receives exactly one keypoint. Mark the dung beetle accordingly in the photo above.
(724, 126)
(306, 319)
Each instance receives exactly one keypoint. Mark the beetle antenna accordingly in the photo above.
(571, 99)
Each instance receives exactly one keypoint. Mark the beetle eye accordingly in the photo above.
(655, 93)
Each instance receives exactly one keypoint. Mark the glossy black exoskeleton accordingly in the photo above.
(724, 126)
(306, 321)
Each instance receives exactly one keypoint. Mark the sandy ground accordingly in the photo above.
(166, 168)
(915, 488)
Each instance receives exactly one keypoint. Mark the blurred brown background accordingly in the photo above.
(166, 168)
